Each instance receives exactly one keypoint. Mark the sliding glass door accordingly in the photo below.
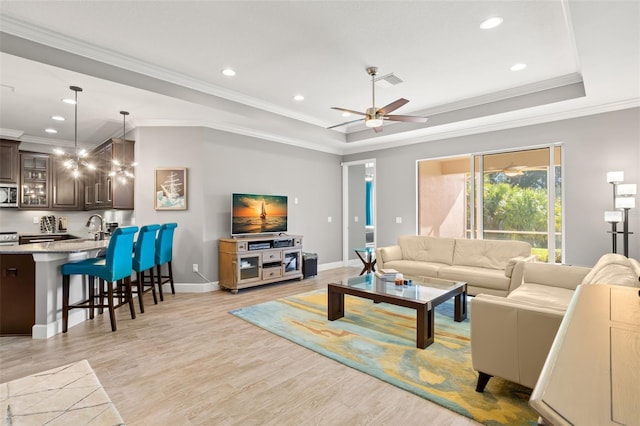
(508, 195)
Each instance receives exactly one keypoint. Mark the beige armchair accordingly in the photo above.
(511, 336)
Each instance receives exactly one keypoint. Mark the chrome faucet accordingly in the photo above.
(100, 234)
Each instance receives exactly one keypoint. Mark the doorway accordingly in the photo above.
(359, 208)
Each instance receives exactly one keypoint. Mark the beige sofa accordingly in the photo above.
(487, 266)
(511, 336)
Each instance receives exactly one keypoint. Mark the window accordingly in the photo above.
(507, 196)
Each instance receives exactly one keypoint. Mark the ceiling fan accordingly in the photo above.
(374, 117)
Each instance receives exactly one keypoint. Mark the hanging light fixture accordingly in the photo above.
(125, 171)
(75, 160)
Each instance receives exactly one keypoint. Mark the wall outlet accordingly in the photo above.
(355, 219)
(398, 219)
(36, 220)
(329, 219)
(195, 267)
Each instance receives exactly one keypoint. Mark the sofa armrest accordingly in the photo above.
(511, 339)
(515, 270)
(387, 254)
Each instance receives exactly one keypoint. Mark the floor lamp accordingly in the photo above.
(623, 200)
(626, 200)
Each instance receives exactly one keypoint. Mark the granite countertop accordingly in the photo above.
(63, 246)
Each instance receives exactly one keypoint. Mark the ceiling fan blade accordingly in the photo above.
(377, 129)
(393, 106)
(345, 123)
(409, 118)
(349, 111)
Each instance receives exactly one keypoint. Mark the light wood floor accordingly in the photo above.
(188, 361)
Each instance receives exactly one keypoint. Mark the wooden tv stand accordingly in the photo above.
(252, 261)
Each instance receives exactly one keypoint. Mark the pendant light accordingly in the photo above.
(73, 162)
(125, 171)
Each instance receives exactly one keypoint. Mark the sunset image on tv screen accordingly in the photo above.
(256, 214)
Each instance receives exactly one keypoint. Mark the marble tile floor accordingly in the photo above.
(67, 395)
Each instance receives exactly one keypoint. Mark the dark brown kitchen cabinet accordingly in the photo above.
(45, 183)
(122, 189)
(66, 189)
(17, 294)
(34, 181)
(9, 161)
(108, 189)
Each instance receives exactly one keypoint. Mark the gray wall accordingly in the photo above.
(593, 145)
(221, 163)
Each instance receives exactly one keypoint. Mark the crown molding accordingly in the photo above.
(483, 125)
(56, 40)
(502, 95)
(328, 147)
(11, 133)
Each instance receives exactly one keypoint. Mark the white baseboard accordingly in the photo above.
(215, 286)
(328, 266)
(191, 287)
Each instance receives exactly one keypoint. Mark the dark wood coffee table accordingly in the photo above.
(423, 296)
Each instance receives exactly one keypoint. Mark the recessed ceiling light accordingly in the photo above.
(518, 67)
(57, 118)
(490, 23)
(346, 114)
(228, 72)
(298, 98)
(69, 101)
(51, 130)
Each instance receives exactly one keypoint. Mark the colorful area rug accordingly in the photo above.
(379, 339)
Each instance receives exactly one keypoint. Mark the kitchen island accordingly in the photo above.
(48, 257)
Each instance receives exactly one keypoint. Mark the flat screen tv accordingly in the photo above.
(258, 214)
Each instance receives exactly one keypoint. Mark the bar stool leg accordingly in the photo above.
(101, 291)
(173, 290)
(112, 311)
(65, 303)
(129, 295)
(153, 285)
(160, 283)
(140, 279)
(92, 301)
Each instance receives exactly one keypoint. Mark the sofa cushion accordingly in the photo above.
(492, 254)
(427, 249)
(415, 268)
(614, 269)
(478, 277)
(542, 295)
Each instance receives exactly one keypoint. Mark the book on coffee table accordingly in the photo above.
(387, 274)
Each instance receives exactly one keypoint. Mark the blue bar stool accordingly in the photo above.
(164, 254)
(144, 259)
(115, 266)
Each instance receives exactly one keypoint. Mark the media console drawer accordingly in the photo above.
(273, 272)
(271, 256)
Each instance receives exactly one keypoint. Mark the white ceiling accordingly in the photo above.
(161, 60)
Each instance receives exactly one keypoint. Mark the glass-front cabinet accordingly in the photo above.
(34, 180)
(248, 267)
(291, 263)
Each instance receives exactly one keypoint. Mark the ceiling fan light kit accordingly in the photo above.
(375, 117)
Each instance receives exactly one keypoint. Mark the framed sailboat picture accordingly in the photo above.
(171, 188)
